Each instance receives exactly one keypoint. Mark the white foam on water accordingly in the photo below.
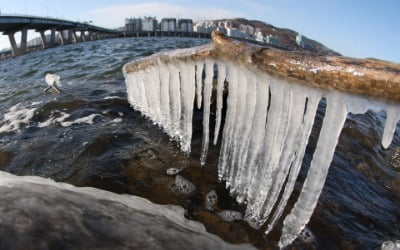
(15, 117)
(53, 120)
(87, 119)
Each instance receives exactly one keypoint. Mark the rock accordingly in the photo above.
(306, 236)
(173, 171)
(211, 200)
(229, 215)
(37, 212)
(391, 245)
(395, 159)
(183, 186)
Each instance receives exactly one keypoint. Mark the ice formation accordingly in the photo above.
(53, 81)
(266, 130)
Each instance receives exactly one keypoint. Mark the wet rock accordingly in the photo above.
(306, 236)
(183, 186)
(229, 215)
(39, 212)
(147, 154)
(395, 159)
(5, 158)
(391, 245)
(211, 200)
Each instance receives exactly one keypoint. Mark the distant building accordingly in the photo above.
(272, 40)
(233, 32)
(204, 27)
(247, 29)
(185, 25)
(259, 36)
(221, 29)
(168, 24)
(133, 25)
(199, 27)
(228, 24)
(303, 41)
(149, 24)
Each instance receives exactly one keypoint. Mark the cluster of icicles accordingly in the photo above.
(267, 125)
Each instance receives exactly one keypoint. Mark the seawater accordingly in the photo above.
(89, 136)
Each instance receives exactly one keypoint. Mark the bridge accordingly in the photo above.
(69, 31)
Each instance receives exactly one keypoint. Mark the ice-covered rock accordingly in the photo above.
(266, 130)
(69, 217)
(54, 83)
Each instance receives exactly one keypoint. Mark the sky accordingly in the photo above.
(355, 28)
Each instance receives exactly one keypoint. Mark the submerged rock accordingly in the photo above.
(390, 245)
(307, 236)
(173, 171)
(229, 215)
(211, 200)
(183, 186)
(395, 159)
(37, 212)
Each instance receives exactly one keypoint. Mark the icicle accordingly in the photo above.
(220, 92)
(131, 90)
(152, 93)
(392, 118)
(164, 96)
(199, 80)
(238, 127)
(308, 122)
(175, 100)
(206, 109)
(335, 117)
(246, 131)
(155, 80)
(229, 122)
(275, 132)
(143, 104)
(290, 148)
(187, 99)
(255, 147)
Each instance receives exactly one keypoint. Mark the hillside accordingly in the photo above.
(287, 37)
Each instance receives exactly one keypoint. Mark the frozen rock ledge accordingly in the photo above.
(271, 105)
(87, 218)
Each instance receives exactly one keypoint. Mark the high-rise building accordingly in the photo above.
(168, 24)
(149, 24)
(133, 25)
(185, 25)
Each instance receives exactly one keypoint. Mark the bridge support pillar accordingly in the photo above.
(66, 36)
(79, 38)
(85, 36)
(51, 42)
(22, 47)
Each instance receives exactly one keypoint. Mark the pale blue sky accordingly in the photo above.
(368, 28)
